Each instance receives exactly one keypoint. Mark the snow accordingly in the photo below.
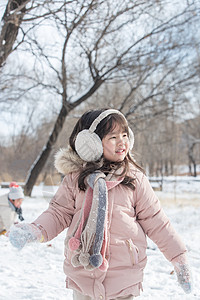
(36, 272)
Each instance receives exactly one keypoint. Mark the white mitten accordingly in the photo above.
(182, 270)
(21, 234)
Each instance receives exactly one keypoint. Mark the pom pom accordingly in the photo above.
(73, 244)
(104, 266)
(13, 183)
(96, 260)
(84, 259)
(75, 261)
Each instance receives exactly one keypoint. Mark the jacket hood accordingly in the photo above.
(67, 161)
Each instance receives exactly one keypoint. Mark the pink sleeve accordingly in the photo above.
(155, 223)
(60, 212)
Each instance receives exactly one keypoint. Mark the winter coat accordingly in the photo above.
(7, 214)
(132, 215)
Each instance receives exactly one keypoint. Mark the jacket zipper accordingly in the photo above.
(133, 250)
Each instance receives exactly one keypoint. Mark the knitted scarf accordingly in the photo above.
(89, 237)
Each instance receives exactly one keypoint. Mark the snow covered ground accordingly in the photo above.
(36, 272)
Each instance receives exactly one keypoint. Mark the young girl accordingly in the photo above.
(109, 207)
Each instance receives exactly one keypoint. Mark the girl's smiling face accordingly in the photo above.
(115, 144)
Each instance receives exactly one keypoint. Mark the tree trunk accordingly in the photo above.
(195, 169)
(42, 158)
(192, 161)
(11, 22)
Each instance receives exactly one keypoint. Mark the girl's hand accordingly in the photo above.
(182, 270)
(21, 234)
(183, 276)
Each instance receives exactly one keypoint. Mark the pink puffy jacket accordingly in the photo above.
(131, 216)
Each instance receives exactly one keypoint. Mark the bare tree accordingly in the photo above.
(139, 45)
(81, 20)
(11, 20)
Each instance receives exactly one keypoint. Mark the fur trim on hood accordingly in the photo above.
(67, 161)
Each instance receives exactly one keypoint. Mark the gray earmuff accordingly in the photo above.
(88, 144)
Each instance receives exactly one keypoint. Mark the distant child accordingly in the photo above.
(109, 208)
(10, 207)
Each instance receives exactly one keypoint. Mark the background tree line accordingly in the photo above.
(59, 58)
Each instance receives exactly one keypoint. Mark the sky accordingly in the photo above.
(36, 272)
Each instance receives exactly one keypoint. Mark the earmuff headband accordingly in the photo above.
(102, 116)
(88, 144)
